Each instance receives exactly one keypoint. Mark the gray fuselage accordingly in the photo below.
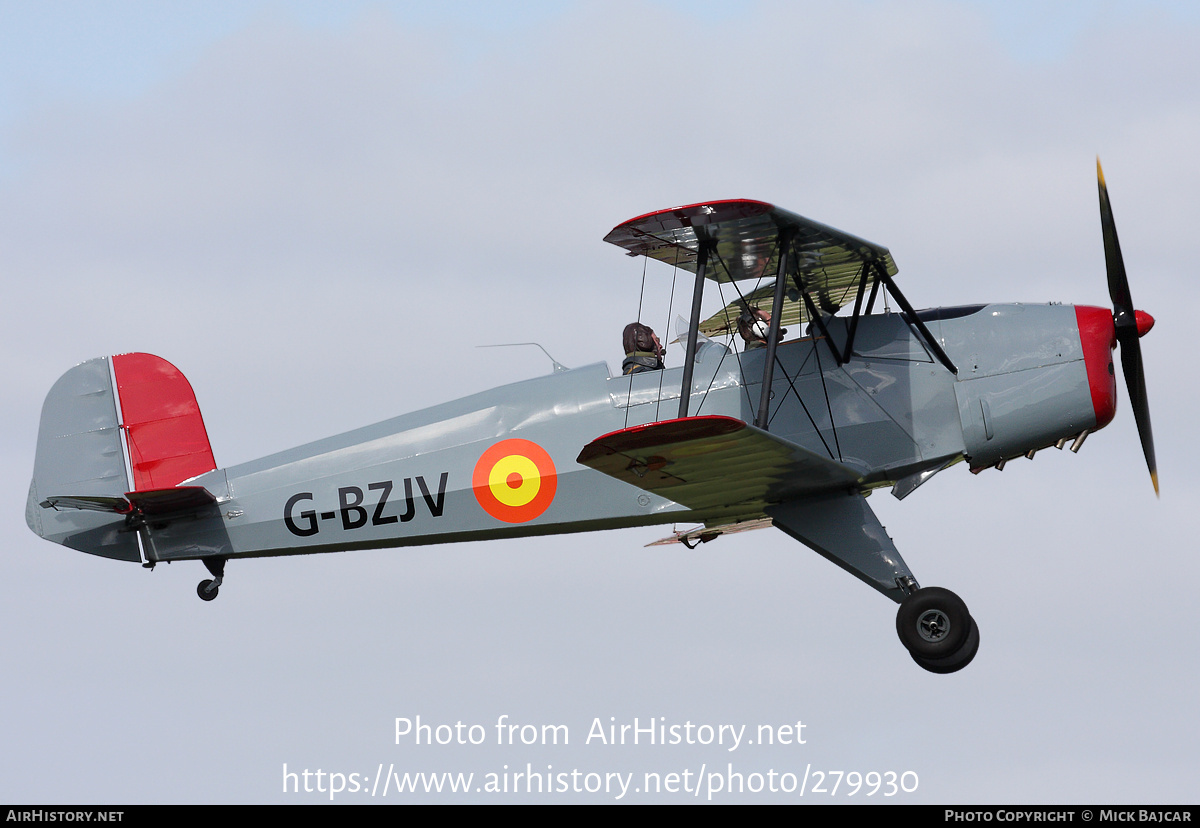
(892, 412)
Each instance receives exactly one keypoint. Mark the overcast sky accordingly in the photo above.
(319, 211)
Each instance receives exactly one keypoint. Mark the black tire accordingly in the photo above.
(957, 661)
(204, 592)
(933, 623)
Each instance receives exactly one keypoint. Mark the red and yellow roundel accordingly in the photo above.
(515, 481)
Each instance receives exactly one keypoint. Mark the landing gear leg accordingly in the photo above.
(207, 589)
(933, 623)
(938, 631)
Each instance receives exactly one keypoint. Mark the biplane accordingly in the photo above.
(791, 433)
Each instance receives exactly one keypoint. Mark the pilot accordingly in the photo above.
(754, 325)
(643, 351)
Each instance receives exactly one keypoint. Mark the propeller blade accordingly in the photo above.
(1118, 284)
(1125, 322)
(1135, 381)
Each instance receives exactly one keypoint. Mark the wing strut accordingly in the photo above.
(785, 252)
(689, 362)
(913, 319)
(862, 286)
(820, 323)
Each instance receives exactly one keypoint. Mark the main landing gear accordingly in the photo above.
(941, 636)
(207, 589)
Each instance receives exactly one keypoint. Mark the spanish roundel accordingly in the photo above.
(515, 480)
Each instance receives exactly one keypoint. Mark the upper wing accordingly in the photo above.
(745, 238)
(712, 461)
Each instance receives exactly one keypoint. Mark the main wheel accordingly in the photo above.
(206, 594)
(957, 661)
(933, 623)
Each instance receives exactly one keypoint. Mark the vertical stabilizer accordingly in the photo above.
(111, 426)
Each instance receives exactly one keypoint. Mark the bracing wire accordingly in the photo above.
(737, 355)
(642, 293)
(641, 297)
(666, 329)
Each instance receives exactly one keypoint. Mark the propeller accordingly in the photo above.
(1130, 325)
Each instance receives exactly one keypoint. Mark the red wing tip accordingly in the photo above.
(659, 433)
(701, 208)
(714, 423)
